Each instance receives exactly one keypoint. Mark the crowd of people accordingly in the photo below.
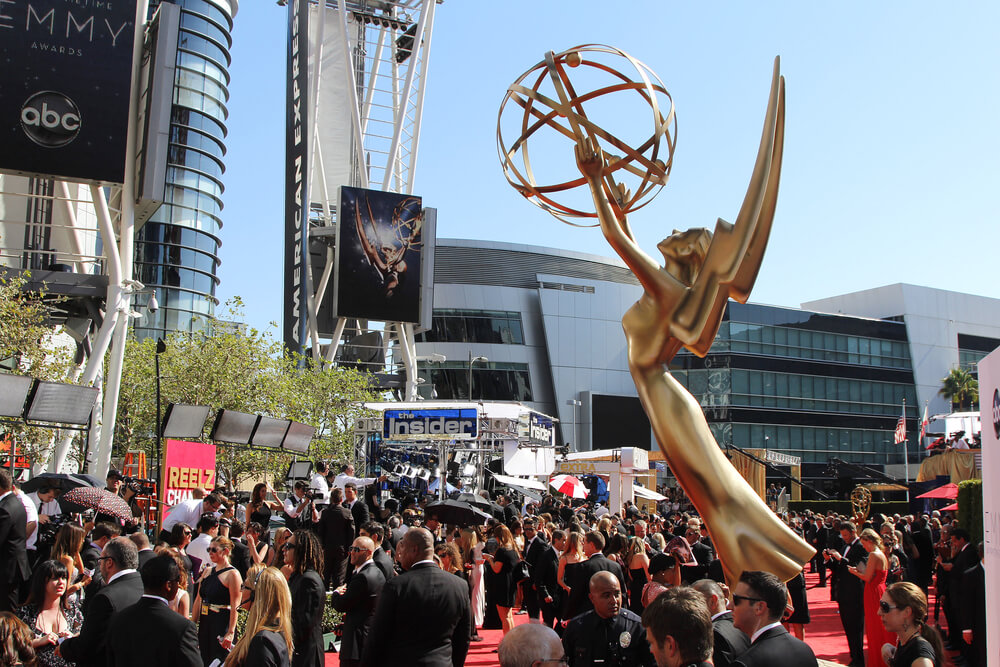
(221, 584)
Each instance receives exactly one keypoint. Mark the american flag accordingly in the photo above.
(900, 429)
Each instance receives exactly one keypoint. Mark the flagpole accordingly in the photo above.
(906, 459)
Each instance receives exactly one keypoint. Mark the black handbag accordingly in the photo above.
(521, 572)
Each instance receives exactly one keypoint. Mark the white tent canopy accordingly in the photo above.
(643, 492)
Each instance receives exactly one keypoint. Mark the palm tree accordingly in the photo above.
(961, 388)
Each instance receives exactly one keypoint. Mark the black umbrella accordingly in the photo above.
(475, 501)
(60, 480)
(455, 512)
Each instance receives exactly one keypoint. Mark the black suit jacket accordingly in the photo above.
(777, 647)
(267, 649)
(358, 606)
(545, 571)
(360, 513)
(308, 599)
(336, 528)
(533, 553)
(151, 633)
(962, 562)
(579, 595)
(13, 555)
(384, 563)
(90, 646)
(850, 590)
(422, 619)
(89, 555)
(145, 556)
(702, 553)
(730, 642)
(241, 559)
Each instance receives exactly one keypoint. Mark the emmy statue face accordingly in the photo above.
(684, 253)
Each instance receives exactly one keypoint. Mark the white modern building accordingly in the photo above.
(945, 329)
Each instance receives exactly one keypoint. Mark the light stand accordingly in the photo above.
(161, 347)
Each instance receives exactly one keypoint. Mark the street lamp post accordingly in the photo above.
(472, 361)
(161, 347)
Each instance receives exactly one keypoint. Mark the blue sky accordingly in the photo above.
(891, 148)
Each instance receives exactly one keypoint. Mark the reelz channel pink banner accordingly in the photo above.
(187, 466)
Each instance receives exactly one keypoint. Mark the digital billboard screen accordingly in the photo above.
(380, 248)
(65, 87)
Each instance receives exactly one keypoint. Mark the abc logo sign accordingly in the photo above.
(50, 119)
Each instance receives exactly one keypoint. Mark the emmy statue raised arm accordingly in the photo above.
(682, 306)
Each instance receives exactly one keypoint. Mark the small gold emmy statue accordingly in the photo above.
(683, 301)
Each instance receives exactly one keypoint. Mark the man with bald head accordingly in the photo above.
(608, 635)
(529, 644)
(423, 616)
(357, 599)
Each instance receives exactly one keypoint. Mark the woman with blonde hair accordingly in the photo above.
(247, 590)
(569, 561)
(903, 610)
(873, 573)
(471, 546)
(637, 572)
(267, 641)
(502, 564)
(66, 550)
(277, 557)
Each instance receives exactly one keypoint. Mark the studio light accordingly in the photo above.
(270, 432)
(298, 437)
(62, 403)
(234, 427)
(184, 422)
(13, 392)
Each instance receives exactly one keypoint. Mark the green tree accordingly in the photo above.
(246, 371)
(30, 345)
(961, 388)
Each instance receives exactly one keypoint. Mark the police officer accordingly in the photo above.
(607, 636)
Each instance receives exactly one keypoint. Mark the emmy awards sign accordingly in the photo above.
(622, 130)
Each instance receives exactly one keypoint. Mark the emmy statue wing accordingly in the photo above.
(735, 254)
(760, 219)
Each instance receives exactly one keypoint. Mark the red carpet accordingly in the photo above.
(824, 633)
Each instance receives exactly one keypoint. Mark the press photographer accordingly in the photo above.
(300, 508)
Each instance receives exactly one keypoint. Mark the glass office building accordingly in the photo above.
(177, 250)
(812, 385)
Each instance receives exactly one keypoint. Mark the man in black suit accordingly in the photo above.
(359, 510)
(728, 642)
(123, 588)
(423, 616)
(375, 531)
(963, 557)
(544, 577)
(141, 542)
(396, 531)
(336, 532)
(14, 570)
(973, 612)
(818, 536)
(357, 600)
(679, 629)
(759, 601)
(150, 632)
(90, 554)
(849, 590)
(702, 554)
(923, 542)
(579, 595)
(509, 511)
(535, 544)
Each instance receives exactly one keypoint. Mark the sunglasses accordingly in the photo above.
(885, 607)
(215, 550)
(737, 598)
(357, 549)
(288, 546)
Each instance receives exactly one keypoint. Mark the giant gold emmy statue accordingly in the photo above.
(684, 300)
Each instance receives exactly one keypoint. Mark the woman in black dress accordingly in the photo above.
(637, 571)
(259, 509)
(903, 610)
(267, 641)
(304, 557)
(799, 618)
(502, 564)
(217, 603)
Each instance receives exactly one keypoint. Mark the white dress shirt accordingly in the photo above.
(32, 516)
(318, 483)
(343, 478)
